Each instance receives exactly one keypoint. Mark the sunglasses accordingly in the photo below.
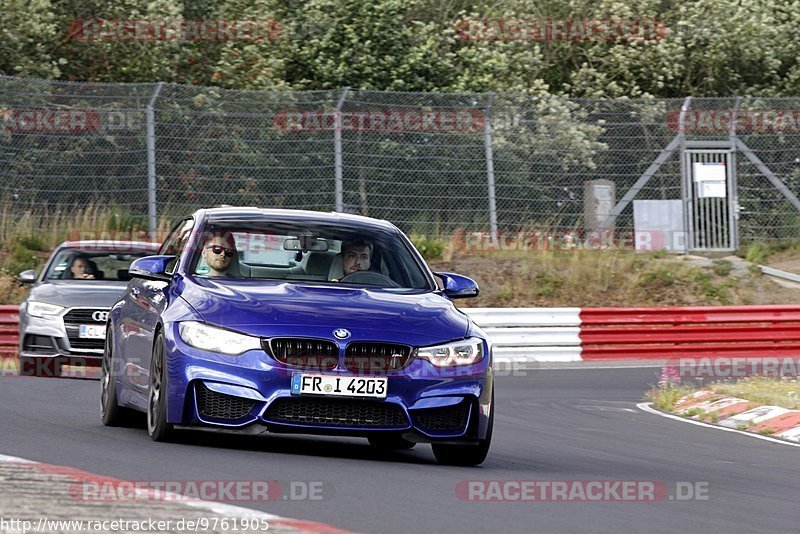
(218, 249)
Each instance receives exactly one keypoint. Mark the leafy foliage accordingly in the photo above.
(708, 48)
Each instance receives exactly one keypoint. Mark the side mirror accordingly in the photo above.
(151, 268)
(457, 286)
(27, 277)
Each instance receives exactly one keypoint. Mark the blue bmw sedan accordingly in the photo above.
(252, 320)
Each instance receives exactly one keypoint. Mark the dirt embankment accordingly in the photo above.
(615, 279)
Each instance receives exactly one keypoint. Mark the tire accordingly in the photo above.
(111, 413)
(466, 455)
(390, 442)
(157, 426)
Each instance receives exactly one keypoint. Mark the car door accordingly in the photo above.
(144, 303)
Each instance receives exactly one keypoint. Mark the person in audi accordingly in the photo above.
(82, 269)
(63, 320)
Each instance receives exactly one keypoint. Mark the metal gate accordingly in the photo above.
(709, 194)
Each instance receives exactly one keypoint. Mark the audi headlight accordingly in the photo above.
(466, 352)
(43, 309)
(205, 337)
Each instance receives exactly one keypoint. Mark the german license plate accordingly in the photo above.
(339, 386)
(92, 331)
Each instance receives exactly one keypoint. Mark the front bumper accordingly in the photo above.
(251, 393)
(45, 349)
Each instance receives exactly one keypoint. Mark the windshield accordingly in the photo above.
(77, 264)
(309, 252)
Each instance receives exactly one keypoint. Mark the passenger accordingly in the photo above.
(218, 252)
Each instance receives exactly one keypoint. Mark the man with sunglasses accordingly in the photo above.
(218, 253)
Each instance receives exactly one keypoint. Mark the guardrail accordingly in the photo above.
(9, 331)
(782, 275)
(692, 332)
(531, 334)
(575, 334)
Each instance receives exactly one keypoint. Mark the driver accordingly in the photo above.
(218, 252)
(356, 256)
(82, 269)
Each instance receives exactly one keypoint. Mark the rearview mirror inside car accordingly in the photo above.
(306, 243)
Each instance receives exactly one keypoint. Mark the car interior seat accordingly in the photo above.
(319, 263)
(336, 271)
(98, 274)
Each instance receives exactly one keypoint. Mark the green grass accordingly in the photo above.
(607, 278)
(783, 392)
(667, 397)
(759, 252)
(431, 248)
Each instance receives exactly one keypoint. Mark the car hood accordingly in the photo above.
(269, 308)
(83, 293)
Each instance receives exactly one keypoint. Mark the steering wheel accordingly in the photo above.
(370, 278)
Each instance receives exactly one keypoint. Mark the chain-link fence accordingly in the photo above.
(432, 163)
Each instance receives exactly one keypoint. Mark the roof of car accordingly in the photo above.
(244, 213)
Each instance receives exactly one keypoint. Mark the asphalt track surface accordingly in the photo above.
(556, 425)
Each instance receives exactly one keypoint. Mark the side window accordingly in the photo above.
(176, 243)
(170, 244)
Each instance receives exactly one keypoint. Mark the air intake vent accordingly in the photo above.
(336, 412)
(303, 353)
(376, 358)
(447, 420)
(36, 344)
(213, 405)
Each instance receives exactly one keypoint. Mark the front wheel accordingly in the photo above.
(157, 426)
(466, 455)
(111, 413)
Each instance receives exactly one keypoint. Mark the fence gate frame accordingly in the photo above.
(711, 223)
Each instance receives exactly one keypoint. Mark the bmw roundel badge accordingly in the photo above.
(341, 333)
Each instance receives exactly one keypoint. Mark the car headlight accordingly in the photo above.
(205, 337)
(466, 352)
(43, 309)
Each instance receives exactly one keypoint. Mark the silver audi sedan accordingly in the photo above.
(63, 320)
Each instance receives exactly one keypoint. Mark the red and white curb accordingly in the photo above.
(276, 523)
(769, 423)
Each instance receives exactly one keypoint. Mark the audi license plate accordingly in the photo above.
(92, 331)
(339, 386)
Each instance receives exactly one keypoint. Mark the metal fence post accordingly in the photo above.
(487, 141)
(337, 152)
(152, 212)
(686, 188)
